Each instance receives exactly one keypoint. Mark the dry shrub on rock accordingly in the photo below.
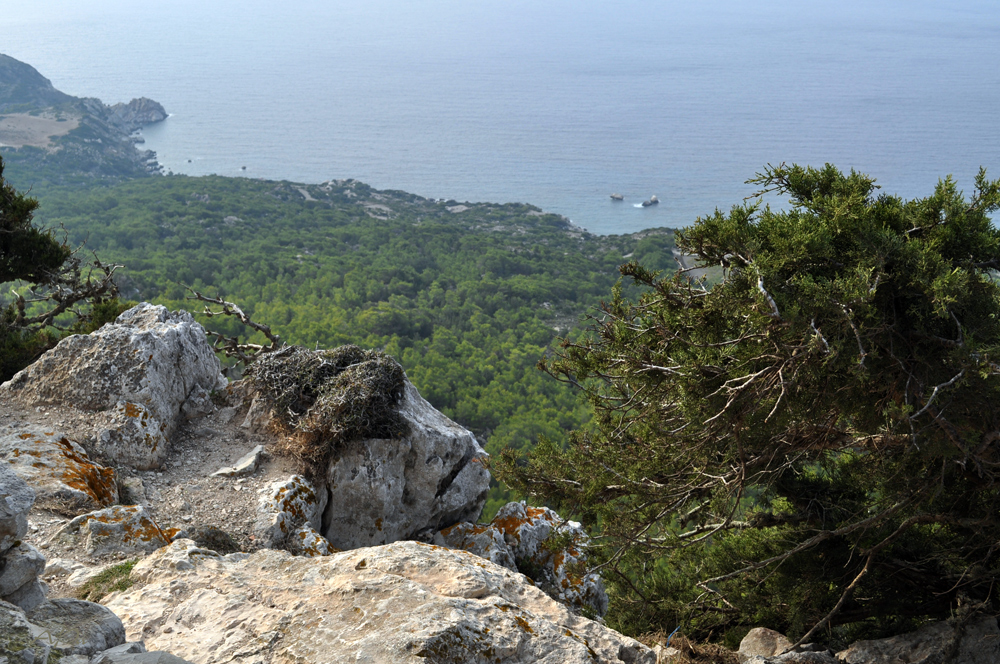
(322, 399)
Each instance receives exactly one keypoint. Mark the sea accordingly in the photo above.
(557, 103)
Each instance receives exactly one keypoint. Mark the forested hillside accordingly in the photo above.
(468, 297)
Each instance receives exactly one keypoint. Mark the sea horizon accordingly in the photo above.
(557, 106)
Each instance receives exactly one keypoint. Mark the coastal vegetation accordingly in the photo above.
(811, 444)
(466, 297)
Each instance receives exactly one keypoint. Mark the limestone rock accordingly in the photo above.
(794, 657)
(61, 567)
(122, 528)
(17, 643)
(978, 642)
(18, 567)
(284, 507)
(388, 490)
(404, 602)
(136, 374)
(483, 541)
(75, 627)
(246, 464)
(154, 657)
(305, 541)
(59, 470)
(552, 552)
(27, 596)
(113, 654)
(763, 642)
(16, 498)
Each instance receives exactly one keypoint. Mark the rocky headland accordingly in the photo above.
(47, 131)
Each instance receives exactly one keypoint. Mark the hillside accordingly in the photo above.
(468, 297)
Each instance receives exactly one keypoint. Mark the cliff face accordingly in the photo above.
(64, 137)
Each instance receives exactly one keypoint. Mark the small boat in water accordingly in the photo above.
(653, 200)
(617, 197)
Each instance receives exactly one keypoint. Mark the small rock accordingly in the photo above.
(118, 528)
(246, 465)
(763, 642)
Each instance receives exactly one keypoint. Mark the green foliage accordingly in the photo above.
(19, 347)
(27, 253)
(114, 578)
(811, 444)
(102, 312)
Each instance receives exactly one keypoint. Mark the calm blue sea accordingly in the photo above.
(555, 102)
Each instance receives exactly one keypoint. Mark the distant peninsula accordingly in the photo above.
(60, 138)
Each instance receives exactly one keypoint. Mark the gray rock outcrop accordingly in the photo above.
(537, 542)
(386, 490)
(135, 374)
(403, 602)
(16, 498)
(136, 114)
(33, 628)
(976, 642)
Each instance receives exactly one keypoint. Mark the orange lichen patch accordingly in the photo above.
(523, 624)
(378, 523)
(84, 475)
(132, 410)
(137, 528)
(294, 497)
(170, 533)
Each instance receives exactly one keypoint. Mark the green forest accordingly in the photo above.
(467, 297)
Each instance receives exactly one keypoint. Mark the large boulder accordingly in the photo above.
(75, 627)
(137, 374)
(974, 642)
(16, 498)
(403, 602)
(59, 470)
(386, 490)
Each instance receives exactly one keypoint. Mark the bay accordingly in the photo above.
(556, 103)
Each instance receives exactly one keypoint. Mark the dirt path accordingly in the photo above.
(182, 494)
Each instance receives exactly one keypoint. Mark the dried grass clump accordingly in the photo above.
(323, 399)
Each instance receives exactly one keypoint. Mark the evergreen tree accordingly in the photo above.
(54, 281)
(812, 444)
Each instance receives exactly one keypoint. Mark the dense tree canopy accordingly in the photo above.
(812, 444)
